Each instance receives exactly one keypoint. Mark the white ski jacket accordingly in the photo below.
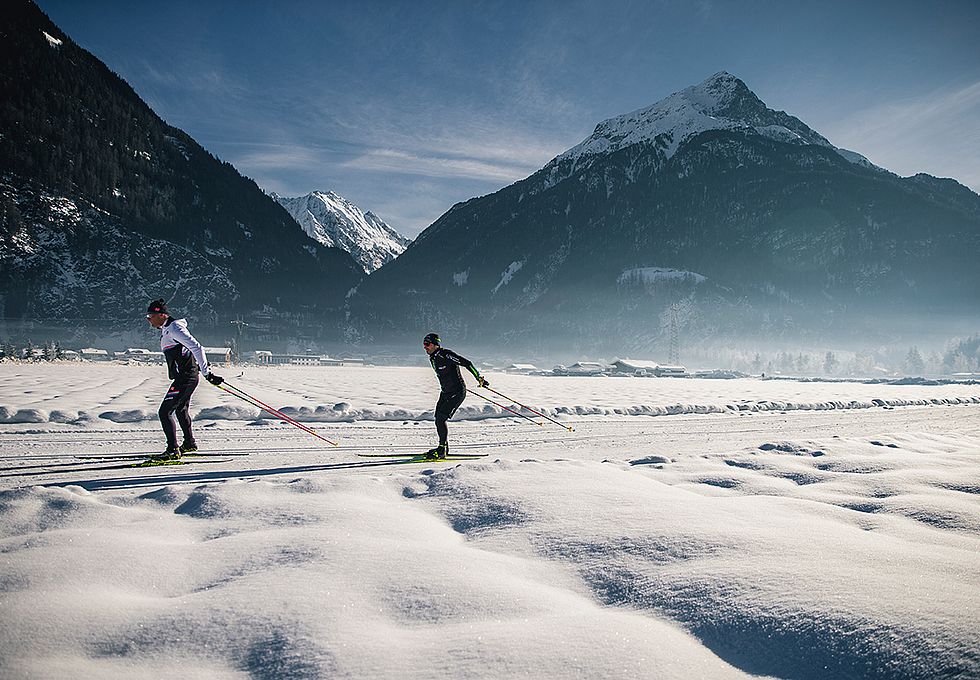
(178, 346)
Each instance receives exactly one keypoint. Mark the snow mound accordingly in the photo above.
(711, 561)
(23, 415)
(270, 580)
(129, 416)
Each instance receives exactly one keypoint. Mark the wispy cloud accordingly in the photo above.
(913, 135)
(394, 161)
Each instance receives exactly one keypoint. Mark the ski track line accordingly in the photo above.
(288, 449)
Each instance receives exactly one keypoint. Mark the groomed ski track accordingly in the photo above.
(55, 458)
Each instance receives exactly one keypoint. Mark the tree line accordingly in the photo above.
(49, 351)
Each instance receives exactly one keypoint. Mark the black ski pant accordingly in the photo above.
(177, 403)
(445, 408)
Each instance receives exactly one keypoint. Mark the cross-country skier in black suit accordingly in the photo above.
(446, 363)
(185, 357)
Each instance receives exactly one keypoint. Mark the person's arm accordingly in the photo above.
(467, 364)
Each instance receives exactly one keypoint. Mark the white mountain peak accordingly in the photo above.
(334, 221)
(722, 102)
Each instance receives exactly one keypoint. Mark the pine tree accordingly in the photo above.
(830, 363)
(914, 363)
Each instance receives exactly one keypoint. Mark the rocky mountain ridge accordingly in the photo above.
(333, 221)
(783, 236)
(92, 175)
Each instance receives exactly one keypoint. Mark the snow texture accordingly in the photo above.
(837, 540)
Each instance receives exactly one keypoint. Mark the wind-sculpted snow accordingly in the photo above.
(297, 580)
(329, 414)
(759, 570)
(378, 394)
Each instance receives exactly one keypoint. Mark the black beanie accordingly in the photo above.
(157, 307)
(433, 338)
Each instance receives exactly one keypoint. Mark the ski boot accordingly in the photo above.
(170, 454)
(438, 453)
(188, 447)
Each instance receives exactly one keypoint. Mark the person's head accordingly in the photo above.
(430, 342)
(156, 313)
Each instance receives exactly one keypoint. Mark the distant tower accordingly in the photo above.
(241, 327)
(672, 352)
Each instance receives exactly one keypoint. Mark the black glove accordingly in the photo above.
(214, 379)
(483, 381)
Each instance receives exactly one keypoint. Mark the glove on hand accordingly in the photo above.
(483, 381)
(214, 379)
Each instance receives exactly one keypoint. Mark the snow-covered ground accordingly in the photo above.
(798, 530)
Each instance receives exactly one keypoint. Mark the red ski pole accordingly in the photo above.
(244, 396)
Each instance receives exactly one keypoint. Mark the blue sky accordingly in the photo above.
(408, 107)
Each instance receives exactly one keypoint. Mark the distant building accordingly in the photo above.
(587, 368)
(638, 367)
(267, 358)
(520, 368)
(141, 355)
(670, 372)
(93, 354)
(220, 356)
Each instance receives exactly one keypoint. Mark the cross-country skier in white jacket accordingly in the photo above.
(185, 359)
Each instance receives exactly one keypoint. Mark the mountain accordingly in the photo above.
(332, 220)
(708, 211)
(105, 206)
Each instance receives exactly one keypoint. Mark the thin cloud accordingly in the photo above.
(401, 162)
(913, 135)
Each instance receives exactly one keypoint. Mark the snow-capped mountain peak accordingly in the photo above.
(334, 221)
(722, 102)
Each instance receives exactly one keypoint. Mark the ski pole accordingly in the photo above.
(244, 396)
(249, 399)
(516, 413)
(276, 412)
(537, 413)
(236, 392)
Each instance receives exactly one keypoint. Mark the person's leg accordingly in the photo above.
(182, 411)
(442, 429)
(448, 403)
(166, 413)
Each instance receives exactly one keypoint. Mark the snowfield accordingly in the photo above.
(684, 529)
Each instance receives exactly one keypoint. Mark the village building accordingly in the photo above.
(637, 367)
(219, 356)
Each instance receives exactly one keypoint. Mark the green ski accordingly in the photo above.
(417, 458)
(187, 460)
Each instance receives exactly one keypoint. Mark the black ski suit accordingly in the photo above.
(446, 363)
